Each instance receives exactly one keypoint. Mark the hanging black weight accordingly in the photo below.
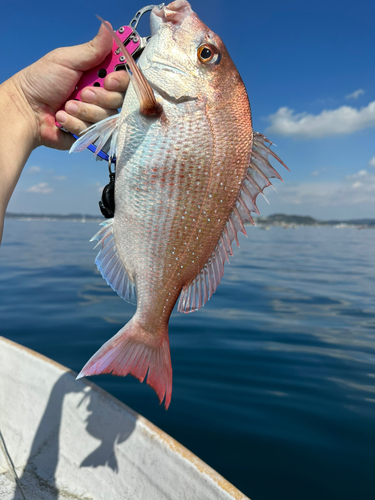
(107, 203)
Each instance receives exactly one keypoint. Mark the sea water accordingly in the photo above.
(273, 380)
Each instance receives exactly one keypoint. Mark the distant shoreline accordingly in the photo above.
(292, 221)
(55, 217)
(279, 220)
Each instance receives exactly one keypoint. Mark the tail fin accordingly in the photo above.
(133, 350)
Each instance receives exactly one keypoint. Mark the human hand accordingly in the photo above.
(46, 85)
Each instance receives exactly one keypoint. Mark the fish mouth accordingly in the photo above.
(171, 17)
(173, 13)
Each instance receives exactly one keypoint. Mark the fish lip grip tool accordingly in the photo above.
(115, 61)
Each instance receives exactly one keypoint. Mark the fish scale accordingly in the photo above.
(188, 171)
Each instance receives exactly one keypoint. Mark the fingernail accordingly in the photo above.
(61, 117)
(112, 84)
(88, 95)
(71, 107)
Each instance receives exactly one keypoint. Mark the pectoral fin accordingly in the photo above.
(102, 134)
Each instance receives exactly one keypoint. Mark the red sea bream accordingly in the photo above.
(189, 169)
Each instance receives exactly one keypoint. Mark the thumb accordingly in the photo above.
(90, 54)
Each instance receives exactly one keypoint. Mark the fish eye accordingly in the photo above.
(208, 53)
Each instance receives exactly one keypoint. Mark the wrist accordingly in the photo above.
(17, 140)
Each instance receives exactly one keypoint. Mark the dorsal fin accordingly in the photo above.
(197, 292)
(110, 265)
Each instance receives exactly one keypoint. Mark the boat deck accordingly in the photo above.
(34, 488)
(7, 486)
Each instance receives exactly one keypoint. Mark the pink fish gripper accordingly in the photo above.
(115, 61)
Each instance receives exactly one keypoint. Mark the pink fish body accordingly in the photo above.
(186, 182)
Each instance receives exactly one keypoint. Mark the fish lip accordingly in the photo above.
(155, 22)
(173, 13)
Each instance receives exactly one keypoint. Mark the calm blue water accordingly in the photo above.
(274, 379)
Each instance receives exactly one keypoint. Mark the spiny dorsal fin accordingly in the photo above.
(197, 292)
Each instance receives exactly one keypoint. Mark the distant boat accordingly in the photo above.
(70, 440)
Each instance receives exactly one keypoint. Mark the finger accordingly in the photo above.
(86, 56)
(70, 123)
(53, 137)
(88, 112)
(101, 97)
(118, 80)
(64, 142)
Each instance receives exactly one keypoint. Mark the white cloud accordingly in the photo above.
(372, 162)
(60, 178)
(315, 173)
(355, 94)
(361, 173)
(42, 188)
(34, 170)
(343, 120)
(356, 189)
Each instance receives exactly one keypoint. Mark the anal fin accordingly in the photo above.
(110, 265)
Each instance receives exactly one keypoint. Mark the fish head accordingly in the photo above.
(184, 59)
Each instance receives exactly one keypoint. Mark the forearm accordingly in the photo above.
(17, 140)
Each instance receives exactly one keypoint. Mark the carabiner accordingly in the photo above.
(134, 22)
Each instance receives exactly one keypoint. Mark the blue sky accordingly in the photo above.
(309, 69)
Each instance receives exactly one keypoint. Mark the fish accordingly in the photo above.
(189, 168)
